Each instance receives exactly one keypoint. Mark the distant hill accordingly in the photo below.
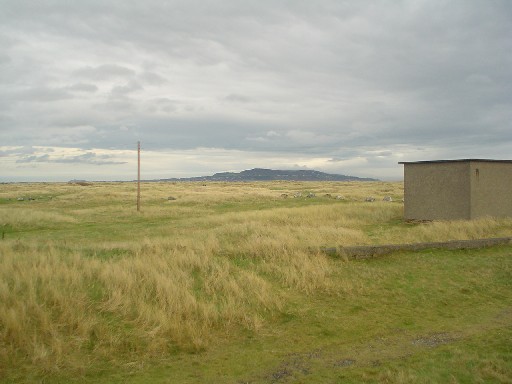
(260, 174)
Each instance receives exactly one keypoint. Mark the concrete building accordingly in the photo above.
(457, 189)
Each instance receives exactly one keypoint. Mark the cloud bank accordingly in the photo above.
(339, 86)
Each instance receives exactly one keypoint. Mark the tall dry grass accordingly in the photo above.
(57, 305)
(485, 227)
(19, 218)
(84, 279)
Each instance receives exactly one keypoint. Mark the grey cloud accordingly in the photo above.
(180, 133)
(25, 151)
(34, 159)
(105, 72)
(237, 98)
(124, 107)
(325, 76)
(83, 87)
(86, 158)
(4, 58)
(163, 104)
(152, 78)
(65, 136)
(121, 90)
(44, 94)
(89, 158)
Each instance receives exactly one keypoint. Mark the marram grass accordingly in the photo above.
(89, 287)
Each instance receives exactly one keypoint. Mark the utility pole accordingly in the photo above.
(138, 176)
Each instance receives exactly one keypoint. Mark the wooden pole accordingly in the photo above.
(138, 176)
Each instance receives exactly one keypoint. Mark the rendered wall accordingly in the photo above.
(437, 191)
(491, 189)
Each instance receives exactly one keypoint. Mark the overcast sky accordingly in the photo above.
(348, 87)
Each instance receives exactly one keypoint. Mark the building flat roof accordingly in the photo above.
(455, 161)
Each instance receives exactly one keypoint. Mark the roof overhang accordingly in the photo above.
(455, 161)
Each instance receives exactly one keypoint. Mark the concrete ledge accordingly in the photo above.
(371, 251)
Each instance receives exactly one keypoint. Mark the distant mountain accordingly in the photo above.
(260, 174)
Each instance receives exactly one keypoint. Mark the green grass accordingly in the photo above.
(223, 285)
(425, 317)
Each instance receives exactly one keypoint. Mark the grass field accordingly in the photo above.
(227, 284)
